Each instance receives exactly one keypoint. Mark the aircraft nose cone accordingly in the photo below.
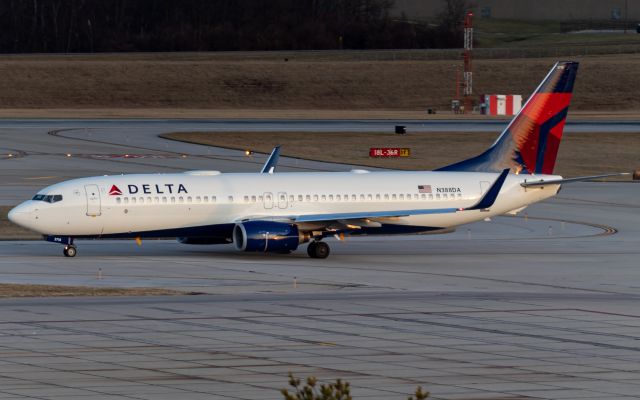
(19, 215)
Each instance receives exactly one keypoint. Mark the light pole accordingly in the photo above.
(626, 15)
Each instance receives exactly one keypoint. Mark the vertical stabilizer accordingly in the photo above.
(531, 141)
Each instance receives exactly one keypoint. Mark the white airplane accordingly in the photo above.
(277, 212)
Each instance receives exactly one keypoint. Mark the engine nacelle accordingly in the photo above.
(267, 236)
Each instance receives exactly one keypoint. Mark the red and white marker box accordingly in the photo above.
(501, 104)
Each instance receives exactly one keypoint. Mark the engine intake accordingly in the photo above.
(267, 236)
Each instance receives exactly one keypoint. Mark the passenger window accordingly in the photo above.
(324, 197)
(415, 197)
(361, 197)
(149, 200)
(437, 196)
(164, 200)
(430, 197)
(354, 197)
(308, 197)
(141, 200)
(253, 199)
(300, 197)
(423, 196)
(205, 199)
(246, 199)
(386, 196)
(378, 196)
(338, 198)
(118, 200)
(230, 199)
(156, 200)
(401, 196)
(315, 197)
(181, 199)
(459, 195)
(126, 200)
(394, 196)
(214, 199)
(369, 197)
(198, 199)
(330, 197)
(173, 200)
(189, 199)
(445, 196)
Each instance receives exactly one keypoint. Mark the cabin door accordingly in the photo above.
(282, 200)
(94, 206)
(268, 200)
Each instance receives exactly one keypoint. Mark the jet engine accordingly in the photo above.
(267, 236)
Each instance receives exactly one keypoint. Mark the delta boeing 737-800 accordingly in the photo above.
(277, 212)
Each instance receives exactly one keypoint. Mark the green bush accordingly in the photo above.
(340, 390)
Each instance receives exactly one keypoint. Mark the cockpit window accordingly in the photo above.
(48, 198)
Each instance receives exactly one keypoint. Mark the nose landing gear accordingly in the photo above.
(70, 251)
(67, 241)
(318, 249)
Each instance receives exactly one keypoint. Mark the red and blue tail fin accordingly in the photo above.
(530, 142)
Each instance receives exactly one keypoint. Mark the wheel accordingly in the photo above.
(318, 250)
(311, 249)
(322, 250)
(69, 251)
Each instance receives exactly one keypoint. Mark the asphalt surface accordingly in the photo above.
(542, 306)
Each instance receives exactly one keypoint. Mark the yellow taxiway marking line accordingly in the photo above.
(39, 177)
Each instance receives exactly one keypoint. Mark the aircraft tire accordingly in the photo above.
(311, 249)
(70, 251)
(318, 250)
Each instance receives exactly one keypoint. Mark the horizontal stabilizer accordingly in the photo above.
(569, 180)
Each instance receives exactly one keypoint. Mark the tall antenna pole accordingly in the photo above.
(468, 67)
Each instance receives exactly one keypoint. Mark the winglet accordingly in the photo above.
(492, 194)
(271, 163)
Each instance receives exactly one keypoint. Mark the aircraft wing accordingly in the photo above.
(369, 217)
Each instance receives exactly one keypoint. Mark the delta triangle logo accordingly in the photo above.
(114, 191)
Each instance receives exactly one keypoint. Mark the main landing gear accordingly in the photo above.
(70, 251)
(317, 249)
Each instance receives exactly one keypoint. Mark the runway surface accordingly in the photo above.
(539, 307)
